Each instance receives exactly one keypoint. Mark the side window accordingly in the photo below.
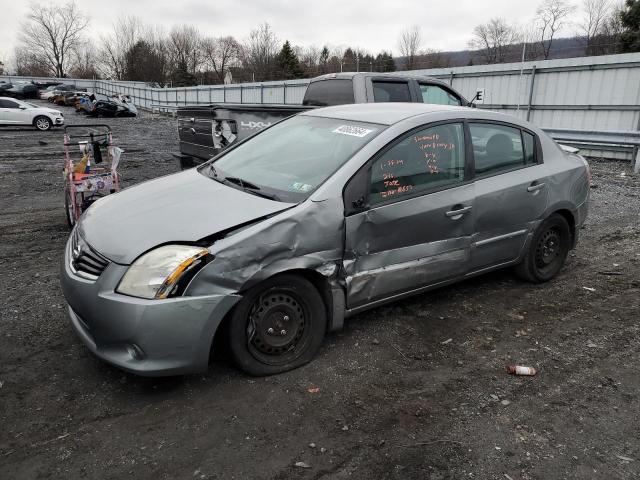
(391, 91)
(496, 148)
(437, 95)
(529, 148)
(8, 104)
(425, 160)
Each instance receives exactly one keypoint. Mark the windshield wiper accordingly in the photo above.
(250, 188)
(243, 183)
(270, 196)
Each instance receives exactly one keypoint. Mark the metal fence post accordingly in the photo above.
(241, 94)
(531, 87)
(224, 94)
(636, 150)
(284, 93)
(261, 93)
(451, 78)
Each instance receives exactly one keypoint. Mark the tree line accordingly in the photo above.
(53, 41)
(602, 26)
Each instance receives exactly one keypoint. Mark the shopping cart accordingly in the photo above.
(95, 174)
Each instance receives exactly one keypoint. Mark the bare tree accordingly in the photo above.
(309, 59)
(551, 16)
(409, 44)
(494, 40)
(527, 35)
(184, 47)
(431, 58)
(83, 61)
(27, 64)
(50, 34)
(336, 60)
(127, 31)
(220, 54)
(595, 15)
(259, 52)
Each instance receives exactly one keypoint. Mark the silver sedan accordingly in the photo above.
(321, 216)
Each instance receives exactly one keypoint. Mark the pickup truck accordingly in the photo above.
(206, 130)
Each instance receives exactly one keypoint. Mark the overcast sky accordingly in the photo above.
(368, 24)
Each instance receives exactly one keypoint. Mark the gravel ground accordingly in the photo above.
(416, 389)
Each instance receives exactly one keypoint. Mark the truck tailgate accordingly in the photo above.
(205, 131)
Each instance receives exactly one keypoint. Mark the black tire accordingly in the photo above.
(285, 303)
(548, 251)
(68, 208)
(42, 123)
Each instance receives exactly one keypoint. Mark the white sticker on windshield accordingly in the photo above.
(353, 130)
(301, 187)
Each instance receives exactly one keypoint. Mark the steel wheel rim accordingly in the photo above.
(548, 249)
(278, 329)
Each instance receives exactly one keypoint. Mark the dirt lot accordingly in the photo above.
(413, 390)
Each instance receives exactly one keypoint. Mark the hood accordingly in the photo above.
(183, 207)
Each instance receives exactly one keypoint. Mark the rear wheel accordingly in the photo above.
(547, 252)
(277, 326)
(42, 123)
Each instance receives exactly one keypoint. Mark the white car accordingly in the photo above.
(17, 112)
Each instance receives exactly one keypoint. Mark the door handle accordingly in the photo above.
(535, 186)
(458, 212)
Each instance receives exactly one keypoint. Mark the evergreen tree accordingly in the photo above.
(324, 59)
(630, 19)
(385, 62)
(288, 63)
(142, 63)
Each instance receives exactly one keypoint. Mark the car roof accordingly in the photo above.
(380, 75)
(390, 113)
(384, 113)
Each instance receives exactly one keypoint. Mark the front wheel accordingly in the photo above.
(277, 326)
(548, 250)
(42, 123)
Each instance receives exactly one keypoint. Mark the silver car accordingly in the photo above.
(321, 216)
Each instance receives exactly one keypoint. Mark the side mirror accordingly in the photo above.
(22, 107)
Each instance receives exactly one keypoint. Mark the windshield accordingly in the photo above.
(291, 159)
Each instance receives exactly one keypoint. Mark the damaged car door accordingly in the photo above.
(409, 216)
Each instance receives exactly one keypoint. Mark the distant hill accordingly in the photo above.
(560, 48)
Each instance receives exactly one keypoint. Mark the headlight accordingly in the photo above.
(156, 274)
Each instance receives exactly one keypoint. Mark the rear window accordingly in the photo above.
(391, 92)
(496, 148)
(325, 93)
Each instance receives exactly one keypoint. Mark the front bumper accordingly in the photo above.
(145, 337)
(58, 120)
